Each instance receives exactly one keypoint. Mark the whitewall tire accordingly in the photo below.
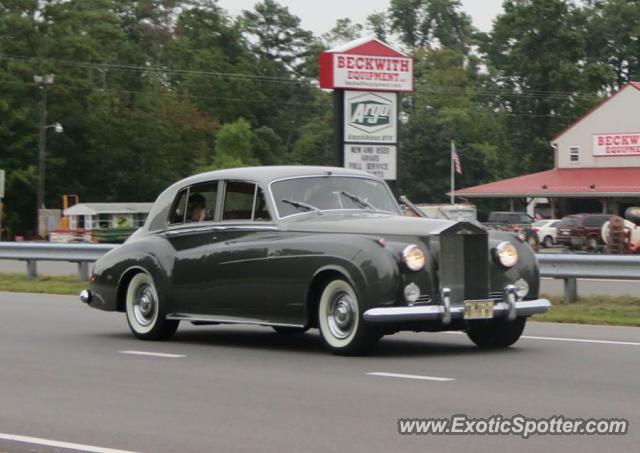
(340, 320)
(145, 314)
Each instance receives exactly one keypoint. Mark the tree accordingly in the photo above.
(342, 32)
(431, 23)
(447, 106)
(613, 47)
(234, 146)
(276, 36)
(535, 54)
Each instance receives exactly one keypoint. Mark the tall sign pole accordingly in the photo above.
(367, 75)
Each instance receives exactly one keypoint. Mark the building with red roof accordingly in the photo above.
(597, 162)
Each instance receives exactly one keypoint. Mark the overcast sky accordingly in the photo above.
(320, 16)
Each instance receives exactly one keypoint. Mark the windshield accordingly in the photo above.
(319, 193)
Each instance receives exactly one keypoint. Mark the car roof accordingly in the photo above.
(266, 174)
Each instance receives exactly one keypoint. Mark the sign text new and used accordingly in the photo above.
(379, 160)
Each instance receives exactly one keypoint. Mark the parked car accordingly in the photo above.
(580, 231)
(313, 247)
(546, 230)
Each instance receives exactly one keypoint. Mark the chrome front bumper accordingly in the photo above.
(509, 308)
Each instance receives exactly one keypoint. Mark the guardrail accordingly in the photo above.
(571, 267)
(32, 252)
(568, 267)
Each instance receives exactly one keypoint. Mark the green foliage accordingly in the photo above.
(607, 310)
(234, 145)
(150, 91)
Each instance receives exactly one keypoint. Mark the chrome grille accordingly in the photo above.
(496, 295)
(464, 267)
(423, 299)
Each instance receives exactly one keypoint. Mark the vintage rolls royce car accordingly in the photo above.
(296, 247)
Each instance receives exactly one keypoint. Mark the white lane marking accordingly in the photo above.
(612, 280)
(575, 340)
(410, 376)
(153, 354)
(58, 444)
(581, 340)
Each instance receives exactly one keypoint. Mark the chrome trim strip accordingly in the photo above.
(221, 319)
(523, 307)
(437, 312)
(510, 298)
(206, 228)
(445, 296)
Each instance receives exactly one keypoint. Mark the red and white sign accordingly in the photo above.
(366, 65)
(616, 144)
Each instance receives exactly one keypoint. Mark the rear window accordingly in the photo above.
(595, 221)
(567, 223)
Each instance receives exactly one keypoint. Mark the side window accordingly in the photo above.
(202, 202)
(260, 211)
(238, 200)
(179, 208)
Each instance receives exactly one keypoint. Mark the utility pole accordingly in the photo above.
(43, 81)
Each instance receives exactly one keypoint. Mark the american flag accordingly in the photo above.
(456, 161)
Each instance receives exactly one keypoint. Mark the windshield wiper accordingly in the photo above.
(364, 203)
(300, 204)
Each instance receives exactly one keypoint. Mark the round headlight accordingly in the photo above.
(413, 257)
(507, 254)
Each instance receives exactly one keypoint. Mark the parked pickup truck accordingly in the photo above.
(519, 222)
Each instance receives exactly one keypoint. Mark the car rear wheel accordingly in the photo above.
(340, 320)
(496, 333)
(547, 242)
(145, 314)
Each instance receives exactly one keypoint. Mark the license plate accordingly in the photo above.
(478, 309)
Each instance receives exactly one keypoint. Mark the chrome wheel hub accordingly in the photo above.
(341, 315)
(144, 305)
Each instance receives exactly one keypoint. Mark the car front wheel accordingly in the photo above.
(548, 242)
(496, 333)
(340, 320)
(145, 315)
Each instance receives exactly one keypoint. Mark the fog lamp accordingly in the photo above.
(522, 288)
(411, 293)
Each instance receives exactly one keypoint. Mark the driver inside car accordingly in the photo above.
(196, 208)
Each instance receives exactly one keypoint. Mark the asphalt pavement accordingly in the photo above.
(74, 375)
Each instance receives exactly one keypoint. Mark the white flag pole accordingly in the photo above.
(453, 184)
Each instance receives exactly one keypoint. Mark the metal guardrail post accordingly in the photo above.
(83, 271)
(570, 290)
(32, 269)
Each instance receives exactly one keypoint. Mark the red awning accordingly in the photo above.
(563, 182)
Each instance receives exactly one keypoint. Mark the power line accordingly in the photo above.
(542, 94)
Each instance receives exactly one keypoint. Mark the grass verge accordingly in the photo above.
(606, 310)
(41, 284)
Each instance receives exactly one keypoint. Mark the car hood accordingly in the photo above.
(365, 223)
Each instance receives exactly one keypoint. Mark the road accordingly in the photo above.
(66, 377)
